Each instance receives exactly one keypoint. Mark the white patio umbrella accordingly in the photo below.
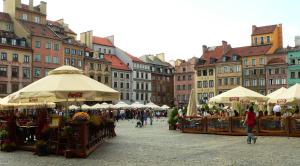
(121, 104)
(165, 107)
(73, 107)
(85, 107)
(274, 96)
(66, 83)
(292, 95)
(101, 106)
(137, 105)
(152, 105)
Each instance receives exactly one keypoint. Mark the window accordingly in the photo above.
(67, 50)
(262, 82)
(253, 62)
(147, 86)
(106, 68)
(3, 71)
(142, 74)
(283, 81)
(104, 51)
(8, 27)
(115, 84)
(26, 58)
(254, 72)
(127, 85)
(23, 43)
(3, 56)
(137, 96)
(184, 69)
(225, 69)
(15, 58)
(277, 81)
(48, 45)
(245, 61)
(73, 62)
(121, 96)
(3, 40)
(37, 44)
(211, 83)
(234, 58)
(204, 72)
(67, 61)
(26, 73)
(199, 72)
(254, 82)
(55, 60)
(178, 87)
(47, 71)
(115, 74)
(56, 47)
(99, 78)
(261, 61)
(183, 78)
(127, 76)
(127, 96)
(3, 88)
(246, 83)
(37, 57)
(15, 72)
(79, 63)
(178, 78)
(24, 16)
(142, 86)
(92, 66)
(48, 59)
(204, 84)
(238, 68)
(73, 52)
(37, 72)
(238, 81)
(142, 96)
(292, 74)
(199, 84)
(13, 42)
(189, 88)
(277, 71)
(137, 85)
(91, 76)
(106, 80)
(292, 61)
(231, 81)
(262, 71)
(246, 72)
(220, 82)
(121, 75)
(262, 40)
(211, 72)
(14, 87)
(225, 81)
(121, 84)
(282, 71)
(37, 19)
(268, 39)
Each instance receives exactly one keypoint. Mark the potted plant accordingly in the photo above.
(41, 147)
(173, 119)
(81, 117)
(3, 134)
(8, 146)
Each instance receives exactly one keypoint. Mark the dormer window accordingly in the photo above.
(3, 40)
(13, 42)
(23, 43)
(268, 39)
(262, 40)
(24, 16)
(8, 27)
(234, 58)
(224, 59)
(255, 41)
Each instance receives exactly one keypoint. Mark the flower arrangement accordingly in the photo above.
(81, 116)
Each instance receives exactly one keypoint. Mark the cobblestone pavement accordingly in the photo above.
(156, 145)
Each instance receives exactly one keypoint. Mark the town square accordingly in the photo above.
(135, 82)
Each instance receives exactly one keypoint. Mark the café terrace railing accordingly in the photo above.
(265, 126)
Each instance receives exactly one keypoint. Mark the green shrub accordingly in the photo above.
(173, 117)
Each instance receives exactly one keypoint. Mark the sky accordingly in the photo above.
(177, 28)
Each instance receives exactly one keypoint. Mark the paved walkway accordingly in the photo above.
(156, 145)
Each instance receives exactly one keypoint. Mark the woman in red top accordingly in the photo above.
(250, 121)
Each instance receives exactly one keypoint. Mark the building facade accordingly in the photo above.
(99, 47)
(30, 23)
(276, 71)
(293, 60)
(162, 79)
(121, 77)
(15, 59)
(184, 81)
(265, 41)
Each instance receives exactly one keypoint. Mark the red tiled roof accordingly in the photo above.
(276, 61)
(39, 29)
(116, 63)
(56, 23)
(5, 17)
(250, 50)
(216, 53)
(263, 29)
(133, 58)
(102, 41)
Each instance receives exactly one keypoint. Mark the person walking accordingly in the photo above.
(250, 121)
(151, 116)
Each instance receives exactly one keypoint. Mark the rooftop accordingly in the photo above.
(102, 41)
(116, 63)
(5, 17)
(39, 29)
(263, 29)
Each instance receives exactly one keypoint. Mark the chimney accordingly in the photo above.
(253, 28)
(297, 41)
(87, 38)
(30, 4)
(225, 47)
(43, 7)
(111, 39)
(204, 48)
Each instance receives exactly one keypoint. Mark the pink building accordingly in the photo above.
(184, 80)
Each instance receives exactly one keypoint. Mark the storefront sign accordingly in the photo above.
(75, 95)
(281, 101)
(233, 99)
